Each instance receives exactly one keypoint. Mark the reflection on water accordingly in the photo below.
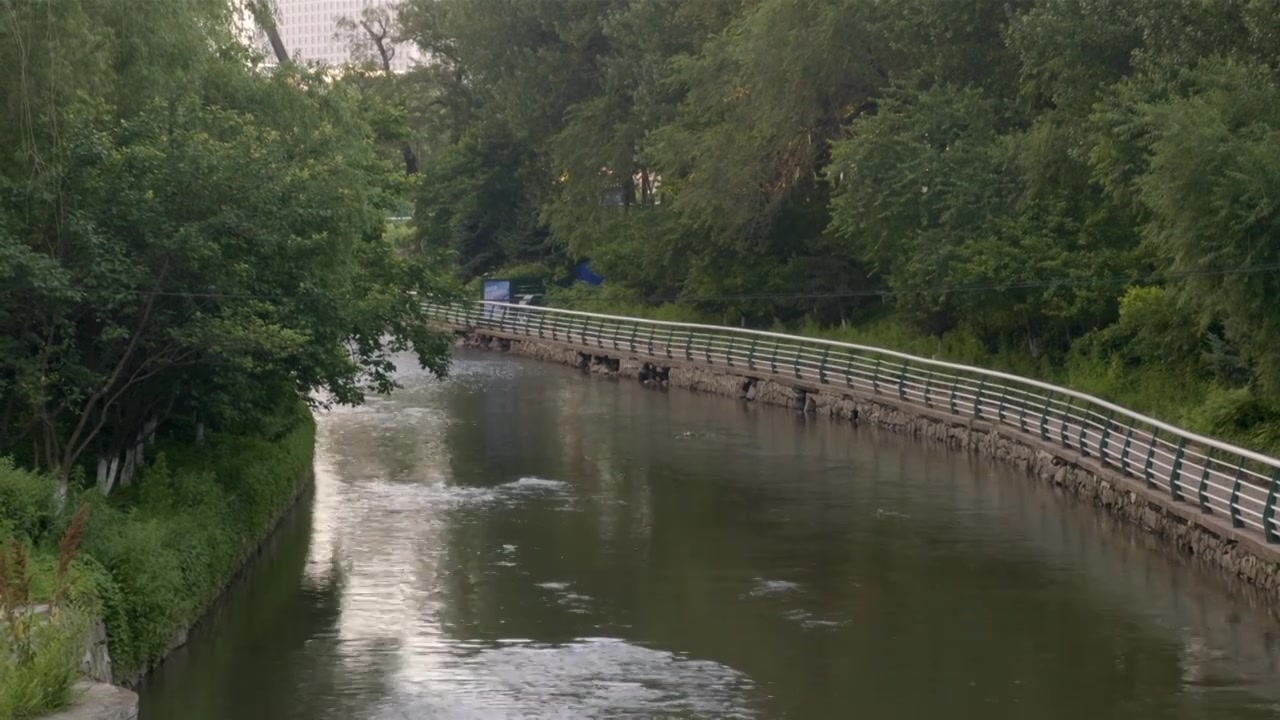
(521, 542)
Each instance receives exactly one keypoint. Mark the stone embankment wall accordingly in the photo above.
(1179, 525)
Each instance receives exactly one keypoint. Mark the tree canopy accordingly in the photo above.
(185, 234)
(1007, 170)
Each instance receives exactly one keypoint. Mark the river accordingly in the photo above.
(520, 541)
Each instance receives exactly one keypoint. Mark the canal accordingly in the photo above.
(519, 541)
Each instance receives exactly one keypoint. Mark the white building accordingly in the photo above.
(309, 30)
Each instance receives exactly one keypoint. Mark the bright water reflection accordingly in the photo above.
(519, 542)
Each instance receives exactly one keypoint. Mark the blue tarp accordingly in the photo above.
(583, 273)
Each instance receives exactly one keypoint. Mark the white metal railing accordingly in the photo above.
(1220, 478)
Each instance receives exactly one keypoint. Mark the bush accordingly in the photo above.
(154, 556)
(27, 508)
(177, 538)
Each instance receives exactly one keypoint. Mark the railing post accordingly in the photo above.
(1044, 417)
(1062, 426)
(848, 370)
(1000, 406)
(1124, 452)
(1022, 412)
(1102, 442)
(649, 340)
(773, 357)
(706, 350)
(1202, 493)
(1269, 512)
(751, 353)
(875, 376)
(542, 319)
(977, 399)
(728, 352)
(1151, 458)
(822, 365)
(952, 400)
(795, 364)
(671, 335)
(1175, 472)
(1233, 505)
(1082, 440)
(927, 379)
(688, 346)
(635, 329)
(902, 382)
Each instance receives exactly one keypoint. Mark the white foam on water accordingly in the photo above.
(587, 678)
(816, 624)
(772, 587)
(553, 585)
(536, 484)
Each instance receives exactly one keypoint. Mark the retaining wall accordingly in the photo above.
(1180, 526)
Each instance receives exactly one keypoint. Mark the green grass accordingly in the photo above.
(43, 682)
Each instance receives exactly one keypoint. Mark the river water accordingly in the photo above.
(519, 541)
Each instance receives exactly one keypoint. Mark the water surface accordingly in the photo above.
(519, 541)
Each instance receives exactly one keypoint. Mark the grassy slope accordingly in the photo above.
(155, 555)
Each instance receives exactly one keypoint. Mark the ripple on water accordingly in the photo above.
(441, 496)
(763, 588)
(587, 678)
(574, 602)
(535, 484)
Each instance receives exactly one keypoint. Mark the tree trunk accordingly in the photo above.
(262, 15)
(140, 452)
(200, 432)
(410, 159)
(126, 474)
(107, 482)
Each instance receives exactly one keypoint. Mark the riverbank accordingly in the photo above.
(1178, 526)
(155, 557)
(1116, 363)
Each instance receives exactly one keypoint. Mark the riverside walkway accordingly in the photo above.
(1228, 491)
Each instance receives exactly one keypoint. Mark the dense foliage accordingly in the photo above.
(151, 560)
(187, 237)
(1078, 188)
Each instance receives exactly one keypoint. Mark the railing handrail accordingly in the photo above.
(942, 364)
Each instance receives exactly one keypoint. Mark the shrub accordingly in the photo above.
(27, 507)
(171, 544)
(154, 556)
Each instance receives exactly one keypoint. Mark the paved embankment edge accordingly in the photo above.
(1180, 526)
(99, 701)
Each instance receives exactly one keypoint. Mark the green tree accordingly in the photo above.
(169, 242)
